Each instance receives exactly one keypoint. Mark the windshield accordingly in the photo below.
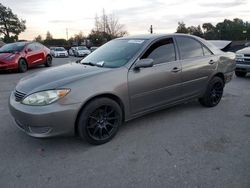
(82, 48)
(115, 53)
(13, 47)
(60, 49)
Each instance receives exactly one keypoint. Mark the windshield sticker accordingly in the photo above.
(136, 41)
(100, 63)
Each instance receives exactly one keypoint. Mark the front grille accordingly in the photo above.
(247, 55)
(19, 95)
(247, 61)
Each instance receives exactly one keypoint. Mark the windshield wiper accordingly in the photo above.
(91, 64)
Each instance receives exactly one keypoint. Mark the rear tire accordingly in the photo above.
(240, 73)
(22, 66)
(99, 121)
(213, 93)
(48, 62)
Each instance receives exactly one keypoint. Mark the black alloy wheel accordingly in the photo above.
(48, 61)
(213, 93)
(99, 121)
(22, 66)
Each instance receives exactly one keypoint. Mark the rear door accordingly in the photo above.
(31, 53)
(198, 64)
(40, 54)
(158, 85)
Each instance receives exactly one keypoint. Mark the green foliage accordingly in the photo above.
(235, 29)
(10, 25)
(181, 28)
(38, 39)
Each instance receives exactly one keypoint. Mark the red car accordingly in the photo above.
(23, 55)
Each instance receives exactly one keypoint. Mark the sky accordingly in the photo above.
(137, 15)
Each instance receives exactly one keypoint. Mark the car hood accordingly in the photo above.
(5, 55)
(83, 50)
(57, 77)
(244, 51)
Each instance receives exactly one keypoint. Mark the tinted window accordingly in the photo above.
(161, 51)
(32, 47)
(206, 51)
(38, 46)
(189, 47)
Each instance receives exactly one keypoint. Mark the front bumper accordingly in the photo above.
(61, 55)
(44, 121)
(242, 67)
(8, 66)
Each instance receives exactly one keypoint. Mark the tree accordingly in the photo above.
(48, 36)
(210, 31)
(181, 28)
(10, 25)
(38, 39)
(107, 27)
(195, 31)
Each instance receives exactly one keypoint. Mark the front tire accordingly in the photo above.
(22, 66)
(213, 93)
(48, 62)
(99, 121)
(240, 73)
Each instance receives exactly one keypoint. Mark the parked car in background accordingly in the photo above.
(72, 51)
(124, 79)
(81, 51)
(52, 50)
(60, 52)
(93, 48)
(242, 62)
(23, 55)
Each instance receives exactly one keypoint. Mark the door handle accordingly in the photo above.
(211, 62)
(175, 69)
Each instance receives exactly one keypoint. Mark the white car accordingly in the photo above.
(81, 51)
(242, 62)
(59, 52)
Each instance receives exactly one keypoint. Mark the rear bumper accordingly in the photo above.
(242, 67)
(228, 76)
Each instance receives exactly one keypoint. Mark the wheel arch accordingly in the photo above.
(220, 75)
(24, 60)
(105, 95)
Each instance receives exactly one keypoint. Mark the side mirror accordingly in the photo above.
(144, 63)
(28, 50)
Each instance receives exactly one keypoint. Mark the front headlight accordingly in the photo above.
(11, 56)
(45, 97)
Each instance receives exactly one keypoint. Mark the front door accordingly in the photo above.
(158, 85)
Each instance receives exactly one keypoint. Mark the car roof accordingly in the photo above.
(154, 36)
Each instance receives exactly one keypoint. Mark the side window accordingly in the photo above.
(38, 46)
(189, 47)
(161, 51)
(32, 47)
(206, 51)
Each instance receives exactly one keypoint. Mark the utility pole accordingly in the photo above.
(67, 34)
(151, 29)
